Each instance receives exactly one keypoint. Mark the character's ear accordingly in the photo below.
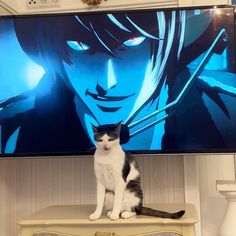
(95, 129)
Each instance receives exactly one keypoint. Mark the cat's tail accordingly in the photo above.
(162, 214)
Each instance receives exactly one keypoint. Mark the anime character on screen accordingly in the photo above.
(107, 68)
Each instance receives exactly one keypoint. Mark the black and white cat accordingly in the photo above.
(118, 179)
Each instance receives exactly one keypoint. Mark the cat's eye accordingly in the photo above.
(78, 46)
(111, 139)
(97, 139)
(134, 41)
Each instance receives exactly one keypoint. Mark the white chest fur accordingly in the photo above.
(108, 167)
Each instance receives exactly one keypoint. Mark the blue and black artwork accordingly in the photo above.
(167, 75)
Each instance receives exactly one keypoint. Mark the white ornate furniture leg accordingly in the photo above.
(228, 189)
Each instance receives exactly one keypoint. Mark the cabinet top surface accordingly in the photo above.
(78, 214)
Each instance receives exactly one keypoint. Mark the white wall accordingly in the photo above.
(202, 2)
(20, 6)
(9, 5)
(27, 185)
(212, 203)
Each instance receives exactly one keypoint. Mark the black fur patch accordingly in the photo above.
(113, 131)
(134, 187)
(126, 168)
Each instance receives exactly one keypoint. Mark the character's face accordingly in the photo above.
(111, 87)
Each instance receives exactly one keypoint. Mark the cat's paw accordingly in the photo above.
(127, 214)
(94, 216)
(108, 214)
(114, 216)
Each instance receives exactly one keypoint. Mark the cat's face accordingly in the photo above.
(107, 136)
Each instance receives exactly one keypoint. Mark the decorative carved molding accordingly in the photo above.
(92, 2)
(105, 234)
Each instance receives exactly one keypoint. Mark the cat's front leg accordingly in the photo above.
(100, 201)
(118, 200)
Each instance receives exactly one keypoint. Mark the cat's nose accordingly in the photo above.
(106, 148)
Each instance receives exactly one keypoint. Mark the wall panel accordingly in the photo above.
(27, 185)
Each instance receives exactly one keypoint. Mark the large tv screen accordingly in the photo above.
(167, 75)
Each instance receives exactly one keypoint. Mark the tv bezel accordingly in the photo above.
(140, 152)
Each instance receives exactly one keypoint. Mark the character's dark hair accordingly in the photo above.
(44, 37)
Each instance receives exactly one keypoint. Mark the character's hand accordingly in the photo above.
(94, 216)
(114, 216)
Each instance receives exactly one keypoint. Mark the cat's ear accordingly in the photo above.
(95, 129)
(118, 127)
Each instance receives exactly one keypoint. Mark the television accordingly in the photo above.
(168, 75)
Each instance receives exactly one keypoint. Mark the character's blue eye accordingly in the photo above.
(78, 46)
(134, 41)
